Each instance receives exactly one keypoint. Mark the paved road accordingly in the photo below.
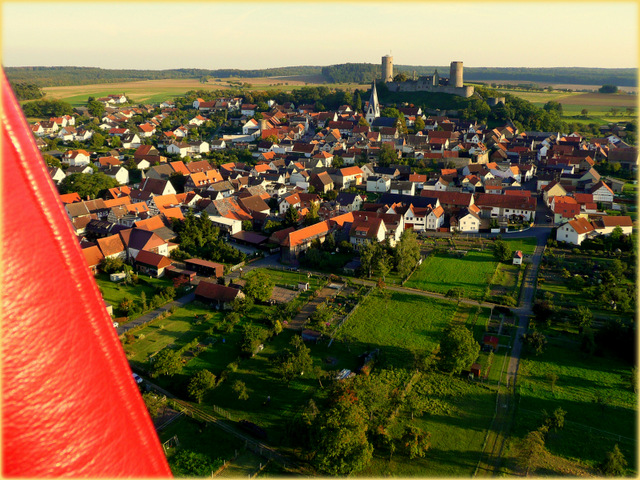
(504, 417)
(147, 317)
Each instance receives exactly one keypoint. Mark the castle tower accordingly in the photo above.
(373, 110)
(455, 75)
(436, 78)
(387, 68)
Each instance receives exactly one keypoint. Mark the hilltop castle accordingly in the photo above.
(432, 83)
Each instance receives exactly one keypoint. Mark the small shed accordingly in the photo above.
(517, 257)
(476, 370)
(491, 341)
(303, 286)
(311, 336)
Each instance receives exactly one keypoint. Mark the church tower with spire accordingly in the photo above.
(373, 110)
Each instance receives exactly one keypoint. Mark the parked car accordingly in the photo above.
(137, 378)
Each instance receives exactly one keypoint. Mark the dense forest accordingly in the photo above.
(343, 73)
(351, 73)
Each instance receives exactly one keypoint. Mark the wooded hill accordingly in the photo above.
(343, 73)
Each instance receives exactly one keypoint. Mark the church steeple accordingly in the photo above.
(373, 110)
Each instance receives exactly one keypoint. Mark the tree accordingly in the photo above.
(367, 253)
(95, 108)
(294, 361)
(584, 112)
(166, 362)
(458, 349)
(111, 265)
(357, 103)
(51, 161)
(340, 438)
(387, 155)
(252, 337)
(259, 286)
(116, 142)
(419, 124)
(187, 463)
(608, 89)
(502, 251)
(535, 342)
(200, 384)
(554, 421)
(154, 403)
(400, 77)
(362, 122)
(87, 185)
(415, 441)
(531, 449)
(331, 195)
(552, 106)
(384, 264)
(407, 253)
(241, 390)
(291, 217)
(553, 378)
(583, 317)
(614, 464)
(97, 140)
(312, 216)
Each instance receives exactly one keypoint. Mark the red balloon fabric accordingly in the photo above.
(70, 406)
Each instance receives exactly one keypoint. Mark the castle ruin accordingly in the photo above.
(432, 83)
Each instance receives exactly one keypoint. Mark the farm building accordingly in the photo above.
(204, 267)
(218, 295)
(152, 263)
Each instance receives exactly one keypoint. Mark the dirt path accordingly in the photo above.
(301, 318)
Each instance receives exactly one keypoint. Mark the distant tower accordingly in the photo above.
(436, 78)
(373, 110)
(455, 75)
(387, 68)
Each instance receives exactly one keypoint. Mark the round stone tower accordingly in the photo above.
(387, 68)
(455, 74)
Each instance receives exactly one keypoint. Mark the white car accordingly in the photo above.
(137, 378)
(116, 324)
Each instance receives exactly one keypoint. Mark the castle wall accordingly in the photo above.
(421, 85)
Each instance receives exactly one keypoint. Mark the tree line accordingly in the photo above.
(26, 91)
(61, 76)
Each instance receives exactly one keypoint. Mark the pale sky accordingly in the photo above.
(249, 35)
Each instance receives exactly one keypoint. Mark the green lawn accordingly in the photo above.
(527, 245)
(459, 415)
(581, 379)
(402, 325)
(178, 329)
(442, 271)
(261, 381)
(114, 293)
(285, 278)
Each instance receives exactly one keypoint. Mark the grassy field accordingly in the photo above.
(458, 416)
(527, 245)
(401, 325)
(442, 271)
(115, 292)
(178, 329)
(592, 427)
(157, 91)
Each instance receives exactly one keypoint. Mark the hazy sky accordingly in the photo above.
(265, 34)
